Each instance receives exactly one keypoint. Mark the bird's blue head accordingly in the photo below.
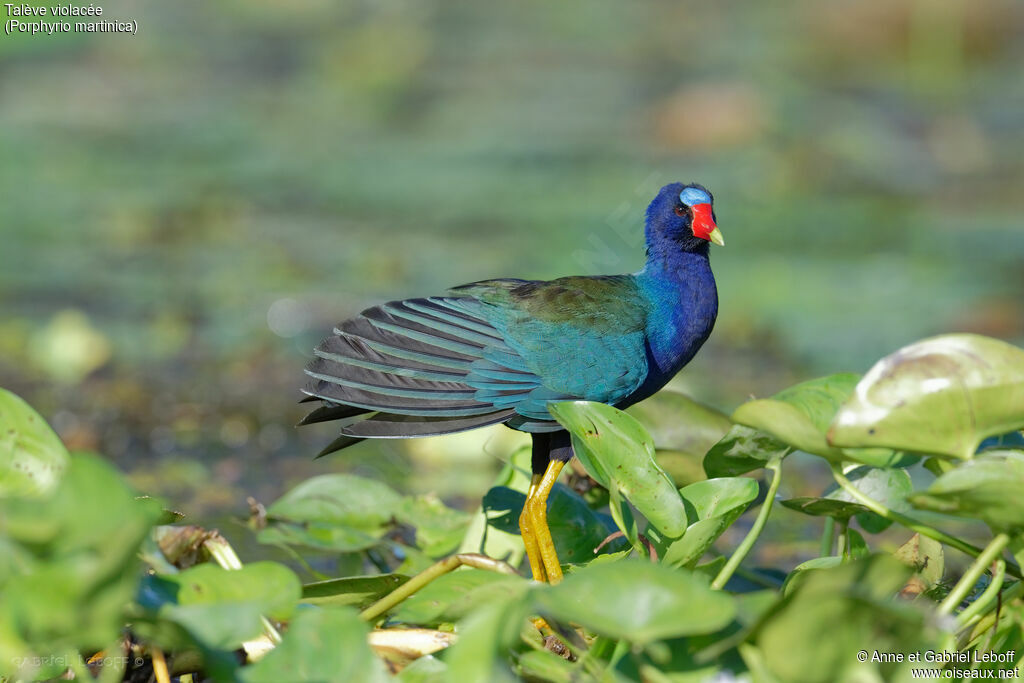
(682, 217)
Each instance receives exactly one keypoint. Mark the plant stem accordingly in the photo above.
(432, 572)
(973, 573)
(976, 608)
(843, 540)
(775, 466)
(827, 537)
(909, 522)
(988, 622)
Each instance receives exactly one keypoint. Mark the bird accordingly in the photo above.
(499, 351)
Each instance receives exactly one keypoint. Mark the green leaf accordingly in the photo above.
(825, 507)
(888, 486)
(614, 447)
(342, 499)
(452, 596)
(212, 629)
(32, 457)
(485, 636)
(623, 517)
(943, 396)
(439, 528)
(576, 529)
(70, 564)
(357, 591)
(319, 645)
(678, 423)
(272, 587)
(215, 608)
(340, 512)
(742, 450)
(880, 457)
(717, 497)
(715, 504)
(639, 601)
(842, 610)
(320, 536)
(988, 488)
(800, 415)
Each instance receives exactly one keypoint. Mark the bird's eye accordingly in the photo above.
(682, 210)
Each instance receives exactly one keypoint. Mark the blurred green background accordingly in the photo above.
(186, 212)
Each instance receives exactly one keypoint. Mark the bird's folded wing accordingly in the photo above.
(498, 351)
(418, 367)
(584, 337)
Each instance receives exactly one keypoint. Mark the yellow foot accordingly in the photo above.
(533, 525)
(526, 529)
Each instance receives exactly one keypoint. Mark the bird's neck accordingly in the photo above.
(684, 305)
(669, 263)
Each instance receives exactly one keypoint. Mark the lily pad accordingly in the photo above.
(617, 451)
(715, 504)
(743, 450)
(342, 499)
(32, 457)
(339, 512)
(799, 416)
(639, 601)
(942, 396)
(987, 487)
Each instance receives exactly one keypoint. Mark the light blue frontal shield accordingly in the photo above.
(691, 196)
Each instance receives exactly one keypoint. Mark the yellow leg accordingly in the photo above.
(537, 505)
(526, 528)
